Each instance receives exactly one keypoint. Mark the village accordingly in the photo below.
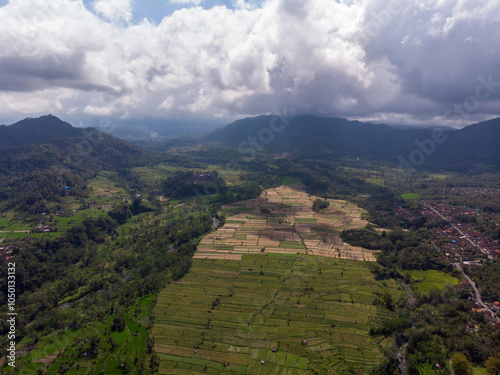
(10, 240)
(460, 243)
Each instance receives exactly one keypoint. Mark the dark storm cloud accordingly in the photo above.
(25, 75)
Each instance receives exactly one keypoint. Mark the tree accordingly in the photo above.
(493, 366)
(320, 204)
(461, 365)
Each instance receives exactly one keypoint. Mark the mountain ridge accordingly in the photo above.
(338, 137)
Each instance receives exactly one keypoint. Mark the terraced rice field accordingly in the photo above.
(274, 291)
(268, 314)
(282, 221)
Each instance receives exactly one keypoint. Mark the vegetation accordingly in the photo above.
(320, 204)
(493, 365)
(296, 313)
(425, 281)
(488, 278)
(120, 224)
(461, 366)
(90, 274)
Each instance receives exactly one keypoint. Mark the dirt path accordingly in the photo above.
(411, 299)
(402, 361)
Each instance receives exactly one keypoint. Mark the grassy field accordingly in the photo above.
(268, 314)
(480, 371)
(152, 176)
(290, 181)
(425, 281)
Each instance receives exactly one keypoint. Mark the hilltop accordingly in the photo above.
(37, 130)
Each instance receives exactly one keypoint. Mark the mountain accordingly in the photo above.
(309, 136)
(479, 143)
(56, 140)
(36, 130)
(42, 157)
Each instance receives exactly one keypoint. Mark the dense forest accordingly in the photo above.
(91, 272)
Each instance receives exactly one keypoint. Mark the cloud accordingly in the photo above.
(114, 10)
(400, 61)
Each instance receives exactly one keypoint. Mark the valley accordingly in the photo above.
(249, 187)
(138, 262)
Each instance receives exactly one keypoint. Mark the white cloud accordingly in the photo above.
(114, 10)
(98, 111)
(406, 61)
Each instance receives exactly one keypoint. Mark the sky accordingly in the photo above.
(419, 62)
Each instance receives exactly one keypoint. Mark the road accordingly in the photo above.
(484, 251)
(479, 300)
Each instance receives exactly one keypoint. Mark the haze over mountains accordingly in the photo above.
(309, 136)
(315, 136)
(100, 226)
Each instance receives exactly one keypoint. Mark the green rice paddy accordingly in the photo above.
(425, 281)
(268, 314)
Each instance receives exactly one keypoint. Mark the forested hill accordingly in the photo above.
(36, 130)
(40, 157)
(40, 142)
(314, 136)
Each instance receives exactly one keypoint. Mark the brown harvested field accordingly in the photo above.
(281, 220)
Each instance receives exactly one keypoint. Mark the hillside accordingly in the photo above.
(44, 159)
(308, 136)
(267, 295)
(202, 260)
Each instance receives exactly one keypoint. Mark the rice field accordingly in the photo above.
(425, 281)
(268, 314)
(274, 291)
(61, 351)
(282, 221)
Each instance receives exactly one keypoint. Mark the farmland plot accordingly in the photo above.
(274, 291)
(282, 221)
(268, 314)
